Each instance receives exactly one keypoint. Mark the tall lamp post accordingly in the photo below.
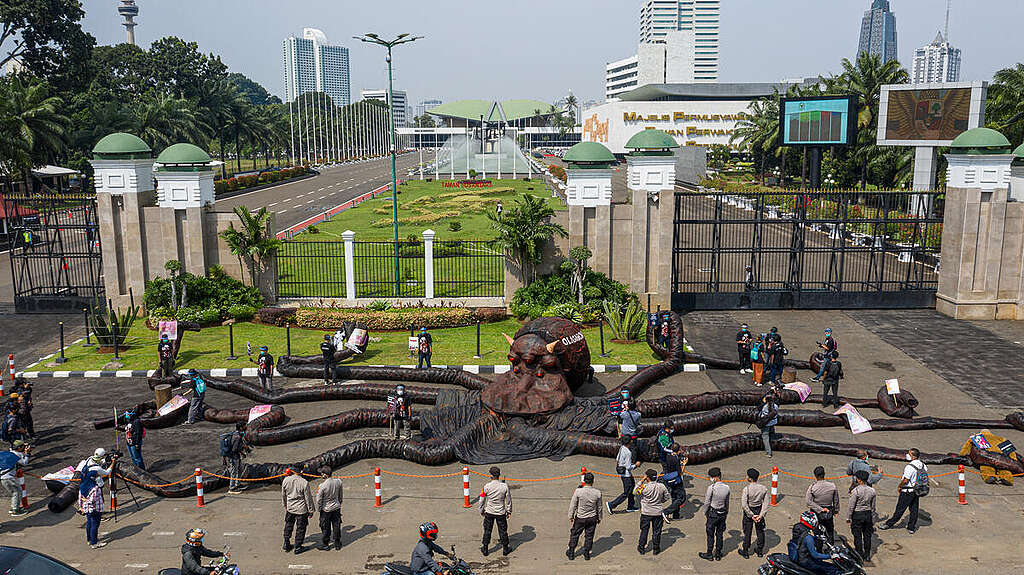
(401, 39)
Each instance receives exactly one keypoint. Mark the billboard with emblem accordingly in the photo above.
(929, 115)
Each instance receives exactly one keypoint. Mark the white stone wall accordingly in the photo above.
(181, 190)
(651, 173)
(588, 188)
(119, 177)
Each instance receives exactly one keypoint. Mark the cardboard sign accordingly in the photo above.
(169, 327)
(176, 402)
(652, 318)
(357, 339)
(414, 343)
(858, 423)
(801, 388)
(258, 411)
(64, 475)
(892, 386)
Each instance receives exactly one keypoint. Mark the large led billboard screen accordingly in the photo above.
(929, 114)
(818, 121)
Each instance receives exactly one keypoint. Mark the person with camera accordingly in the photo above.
(90, 504)
(133, 436)
(828, 345)
(672, 469)
(165, 352)
(96, 463)
(192, 553)
(13, 427)
(9, 463)
(625, 463)
(822, 498)
(744, 339)
(232, 449)
(653, 497)
(913, 485)
(265, 368)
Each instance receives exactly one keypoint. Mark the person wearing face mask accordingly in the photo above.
(860, 463)
(744, 339)
(912, 485)
(399, 409)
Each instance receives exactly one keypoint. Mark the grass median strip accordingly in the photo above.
(208, 348)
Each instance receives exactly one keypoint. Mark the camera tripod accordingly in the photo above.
(114, 489)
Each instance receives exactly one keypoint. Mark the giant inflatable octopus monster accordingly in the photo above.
(532, 411)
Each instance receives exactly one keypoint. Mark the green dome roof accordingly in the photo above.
(120, 144)
(980, 141)
(589, 153)
(183, 154)
(1019, 152)
(651, 140)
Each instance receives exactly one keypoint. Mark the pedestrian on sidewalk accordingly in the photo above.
(653, 497)
(752, 499)
(913, 485)
(757, 359)
(425, 348)
(833, 373)
(744, 339)
(232, 449)
(134, 433)
(16, 457)
(672, 470)
(195, 403)
(584, 515)
(860, 463)
(767, 419)
(90, 504)
(625, 463)
(265, 368)
(828, 345)
(716, 509)
(328, 500)
(822, 498)
(860, 514)
(400, 409)
(495, 507)
(327, 350)
(298, 509)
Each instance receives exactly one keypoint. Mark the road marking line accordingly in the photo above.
(273, 204)
(283, 211)
(234, 533)
(310, 201)
(162, 533)
(300, 566)
(136, 565)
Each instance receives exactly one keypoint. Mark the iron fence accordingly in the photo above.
(809, 250)
(468, 268)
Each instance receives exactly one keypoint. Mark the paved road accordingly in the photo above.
(297, 201)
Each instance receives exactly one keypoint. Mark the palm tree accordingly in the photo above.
(251, 242)
(865, 78)
(215, 101)
(523, 231)
(162, 120)
(243, 122)
(32, 129)
(1006, 102)
(758, 131)
(572, 105)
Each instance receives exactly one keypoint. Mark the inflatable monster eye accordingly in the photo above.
(515, 369)
(540, 374)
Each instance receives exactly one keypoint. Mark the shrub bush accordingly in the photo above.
(379, 305)
(241, 312)
(398, 319)
(568, 310)
(211, 294)
(279, 316)
(454, 226)
(533, 300)
(557, 171)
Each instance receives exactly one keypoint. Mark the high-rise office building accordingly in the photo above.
(699, 17)
(668, 61)
(936, 62)
(427, 105)
(312, 64)
(878, 31)
(400, 104)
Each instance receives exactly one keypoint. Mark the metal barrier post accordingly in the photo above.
(376, 487)
(231, 342)
(775, 486)
(199, 488)
(465, 487)
(60, 327)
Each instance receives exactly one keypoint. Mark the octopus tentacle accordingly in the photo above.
(675, 404)
(151, 419)
(344, 421)
(672, 360)
(380, 391)
(288, 368)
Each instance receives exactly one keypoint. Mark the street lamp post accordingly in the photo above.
(401, 39)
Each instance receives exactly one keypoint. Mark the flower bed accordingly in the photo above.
(242, 182)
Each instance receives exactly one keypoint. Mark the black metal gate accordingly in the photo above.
(813, 250)
(56, 264)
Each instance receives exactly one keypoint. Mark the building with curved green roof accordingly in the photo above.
(121, 146)
(470, 112)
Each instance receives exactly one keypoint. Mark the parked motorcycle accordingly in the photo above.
(847, 560)
(456, 567)
(220, 566)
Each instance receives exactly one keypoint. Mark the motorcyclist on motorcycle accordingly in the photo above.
(422, 562)
(803, 549)
(192, 553)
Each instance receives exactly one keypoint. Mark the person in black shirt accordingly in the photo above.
(192, 553)
(827, 346)
(833, 373)
(425, 347)
(744, 339)
(400, 411)
(327, 349)
(236, 449)
(672, 476)
(165, 350)
(265, 367)
(133, 436)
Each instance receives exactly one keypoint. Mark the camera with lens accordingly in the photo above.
(112, 456)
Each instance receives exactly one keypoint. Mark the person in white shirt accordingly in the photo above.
(8, 476)
(908, 489)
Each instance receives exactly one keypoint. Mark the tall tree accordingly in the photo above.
(1006, 102)
(257, 94)
(865, 78)
(32, 128)
(522, 232)
(758, 131)
(162, 120)
(45, 35)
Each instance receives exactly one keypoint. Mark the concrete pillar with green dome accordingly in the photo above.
(651, 174)
(981, 274)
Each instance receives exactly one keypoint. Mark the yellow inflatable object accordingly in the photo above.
(988, 441)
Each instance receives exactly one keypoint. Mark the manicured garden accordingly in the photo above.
(452, 346)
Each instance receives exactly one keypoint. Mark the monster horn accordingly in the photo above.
(508, 338)
(551, 346)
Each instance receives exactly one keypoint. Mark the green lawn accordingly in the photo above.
(453, 346)
(423, 205)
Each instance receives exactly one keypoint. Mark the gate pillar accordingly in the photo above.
(983, 231)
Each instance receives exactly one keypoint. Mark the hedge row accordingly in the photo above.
(388, 320)
(242, 182)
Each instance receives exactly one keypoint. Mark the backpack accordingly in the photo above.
(921, 489)
(225, 445)
(755, 352)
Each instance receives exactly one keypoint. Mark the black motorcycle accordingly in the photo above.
(846, 559)
(456, 567)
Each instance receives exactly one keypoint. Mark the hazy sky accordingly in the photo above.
(540, 49)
